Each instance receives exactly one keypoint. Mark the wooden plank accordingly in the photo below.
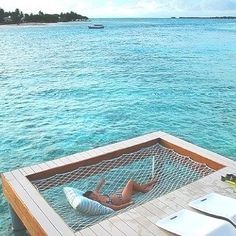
(8, 176)
(67, 160)
(51, 164)
(159, 209)
(175, 205)
(122, 226)
(58, 162)
(44, 166)
(145, 212)
(40, 202)
(78, 233)
(36, 168)
(23, 171)
(31, 216)
(144, 220)
(99, 230)
(176, 197)
(111, 228)
(154, 228)
(135, 225)
(27, 170)
(78, 157)
(87, 232)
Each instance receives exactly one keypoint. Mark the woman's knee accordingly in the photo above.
(131, 181)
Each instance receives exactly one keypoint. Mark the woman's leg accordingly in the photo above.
(133, 187)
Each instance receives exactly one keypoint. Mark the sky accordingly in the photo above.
(126, 8)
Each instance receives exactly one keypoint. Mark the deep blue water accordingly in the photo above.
(65, 88)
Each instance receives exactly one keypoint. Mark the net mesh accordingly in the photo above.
(170, 168)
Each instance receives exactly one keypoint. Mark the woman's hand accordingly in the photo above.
(102, 181)
(100, 184)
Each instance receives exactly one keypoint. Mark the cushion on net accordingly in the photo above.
(83, 204)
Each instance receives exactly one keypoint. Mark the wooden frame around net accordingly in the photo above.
(39, 217)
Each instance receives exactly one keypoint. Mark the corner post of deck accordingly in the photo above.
(17, 225)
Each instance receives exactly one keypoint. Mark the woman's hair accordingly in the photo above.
(87, 194)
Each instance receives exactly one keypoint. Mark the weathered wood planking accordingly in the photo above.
(37, 216)
(31, 216)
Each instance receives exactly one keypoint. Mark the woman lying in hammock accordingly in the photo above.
(122, 198)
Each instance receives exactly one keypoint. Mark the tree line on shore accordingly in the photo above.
(17, 17)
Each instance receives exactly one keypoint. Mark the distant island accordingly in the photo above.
(18, 17)
(204, 17)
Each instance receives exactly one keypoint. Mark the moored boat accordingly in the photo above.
(96, 26)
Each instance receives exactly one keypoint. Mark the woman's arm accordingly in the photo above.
(99, 185)
(119, 207)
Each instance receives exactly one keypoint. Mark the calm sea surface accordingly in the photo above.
(65, 88)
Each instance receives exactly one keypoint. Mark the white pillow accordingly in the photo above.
(84, 204)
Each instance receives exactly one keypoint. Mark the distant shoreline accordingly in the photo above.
(18, 17)
(28, 23)
(39, 23)
(36, 23)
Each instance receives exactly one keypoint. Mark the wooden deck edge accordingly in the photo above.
(195, 152)
(93, 156)
(20, 207)
(72, 162)
(37, 216)
(40, 218)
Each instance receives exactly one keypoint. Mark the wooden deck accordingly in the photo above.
(40, 219)
(141, 220)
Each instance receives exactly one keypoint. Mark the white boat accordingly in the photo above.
(96, 26)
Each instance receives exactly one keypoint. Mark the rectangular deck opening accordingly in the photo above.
(36, 193)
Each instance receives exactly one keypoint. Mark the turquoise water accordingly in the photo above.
(64, 88)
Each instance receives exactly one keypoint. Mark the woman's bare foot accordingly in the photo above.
(153, 181)
(149, 188)
(150, 185)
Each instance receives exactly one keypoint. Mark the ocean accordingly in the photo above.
(65, 88)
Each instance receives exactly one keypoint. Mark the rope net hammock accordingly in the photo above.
(170, 168)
